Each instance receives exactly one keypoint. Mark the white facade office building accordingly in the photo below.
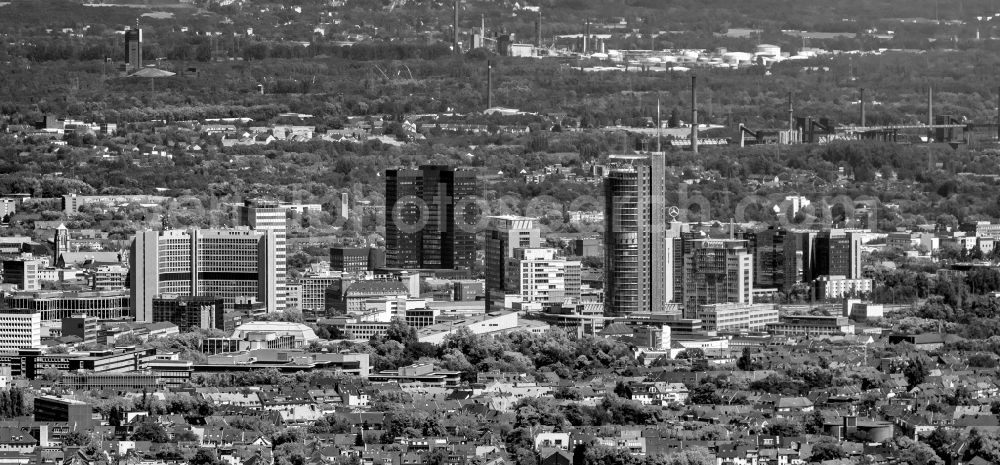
(537, 275)
(20, 330)
(271, 216)
(225, 263)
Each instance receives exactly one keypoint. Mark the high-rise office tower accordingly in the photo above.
(676, 233)
(769, 258)
(784, 258)
(800, 256)
(837, 253)
(263, 215)
(538, 275)
(133, 48)
(225, 263)
(430, 218)
(60, 243)
(345, 206)
(403, 214)
(503, 235)
(635, 240)
(717, 271)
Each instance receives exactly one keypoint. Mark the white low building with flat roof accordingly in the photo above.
(302, 334)
(489, 323)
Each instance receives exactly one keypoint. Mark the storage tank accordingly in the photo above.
(737, 57)
(768, 49)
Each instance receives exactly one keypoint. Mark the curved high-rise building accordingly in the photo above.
(635, 265)
(225, 263)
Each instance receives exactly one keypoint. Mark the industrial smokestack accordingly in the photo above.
(454, 39)
(791, 114)
(694, 114)
(538, 30)
(659, 125)
(930, 114)
(489, 84)
(862, 107)
(586, 34)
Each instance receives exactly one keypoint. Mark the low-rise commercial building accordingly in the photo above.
(190, 312)
(838, 287)
(301, 334)
(863, 311)
(28, 363)
(82, 326)
(489, 323)
(811, 325)
(286, 361)
(62, 409)
(22, 273)
(313, 291)
(736, 317)
(355, 259)
(108, 277)
(420, 373)
(349, 297)
(56, 305)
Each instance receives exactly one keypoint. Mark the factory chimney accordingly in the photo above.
(538, 30)
(659, 125)
(454, 38)
(489, 84)
(930, 114)
(791, 114)
(694, 114)
(863, 107)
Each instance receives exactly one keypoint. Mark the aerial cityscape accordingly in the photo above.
(488, 232)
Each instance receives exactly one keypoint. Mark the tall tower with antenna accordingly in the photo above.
(133, 48)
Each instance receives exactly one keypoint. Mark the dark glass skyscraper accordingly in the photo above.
(771, 258)
(430, 216)
(838, 253)
(635, 240)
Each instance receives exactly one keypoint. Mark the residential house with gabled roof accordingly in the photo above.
(15, 439)
(237, 399)
(555, 457)
(792, 406)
